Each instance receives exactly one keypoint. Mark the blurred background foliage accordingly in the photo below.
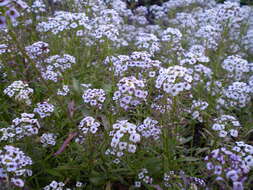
(158, 2)
(242, 2)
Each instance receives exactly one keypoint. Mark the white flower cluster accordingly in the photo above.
(141, 10)
(179, 179)
(246, 151)
(12, 164)
(200, 73)
(94, 97)
(209, 35)
(48, 139)
(144, 178)
(148, 42)
(236, 66)
(185, 21)
(139, 16)
(143, 60)
(50, 75)
(226, 125)
(157, 11)
(172, 37)
(197, 107)
(44, 109)
(106, 25)
(57, 64)
(37, 50)
(61, 62)
(124, 138)
(88, 124)
(20, 128)
(121, 7)
(63, 21)
(195, 54)
(235, 95)
(139, 62)
(20, 91)
(79, 184)
(230, 164)
(64, 91)
(130, 92)
(38, 6)
(232, 12)
(227, 14)
(150, 129)
(174, 80)
(54, 185)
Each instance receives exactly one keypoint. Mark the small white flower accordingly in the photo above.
(223, 133)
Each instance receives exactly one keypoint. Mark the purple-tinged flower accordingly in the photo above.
(218, 170)
(17, 182)
(22, 4)
(237, 185)
(4, 2)
(12, 13)
(232, 174)
(209, 166)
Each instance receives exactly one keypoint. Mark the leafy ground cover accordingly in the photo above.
(116, 95)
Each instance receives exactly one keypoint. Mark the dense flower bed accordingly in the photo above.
(130, 94)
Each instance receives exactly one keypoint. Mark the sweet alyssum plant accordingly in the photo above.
(114, 95)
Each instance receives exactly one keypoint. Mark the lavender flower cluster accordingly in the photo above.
(44, 109)
(226, 125)
(124, 139)
(13, 163)
(169, 84)
(230, 164)
(174, 80)
(94, 97)
(20, 91)
(21, 127)
(88, 124)
(131, 92)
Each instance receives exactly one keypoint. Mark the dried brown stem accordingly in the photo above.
(65, 143)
